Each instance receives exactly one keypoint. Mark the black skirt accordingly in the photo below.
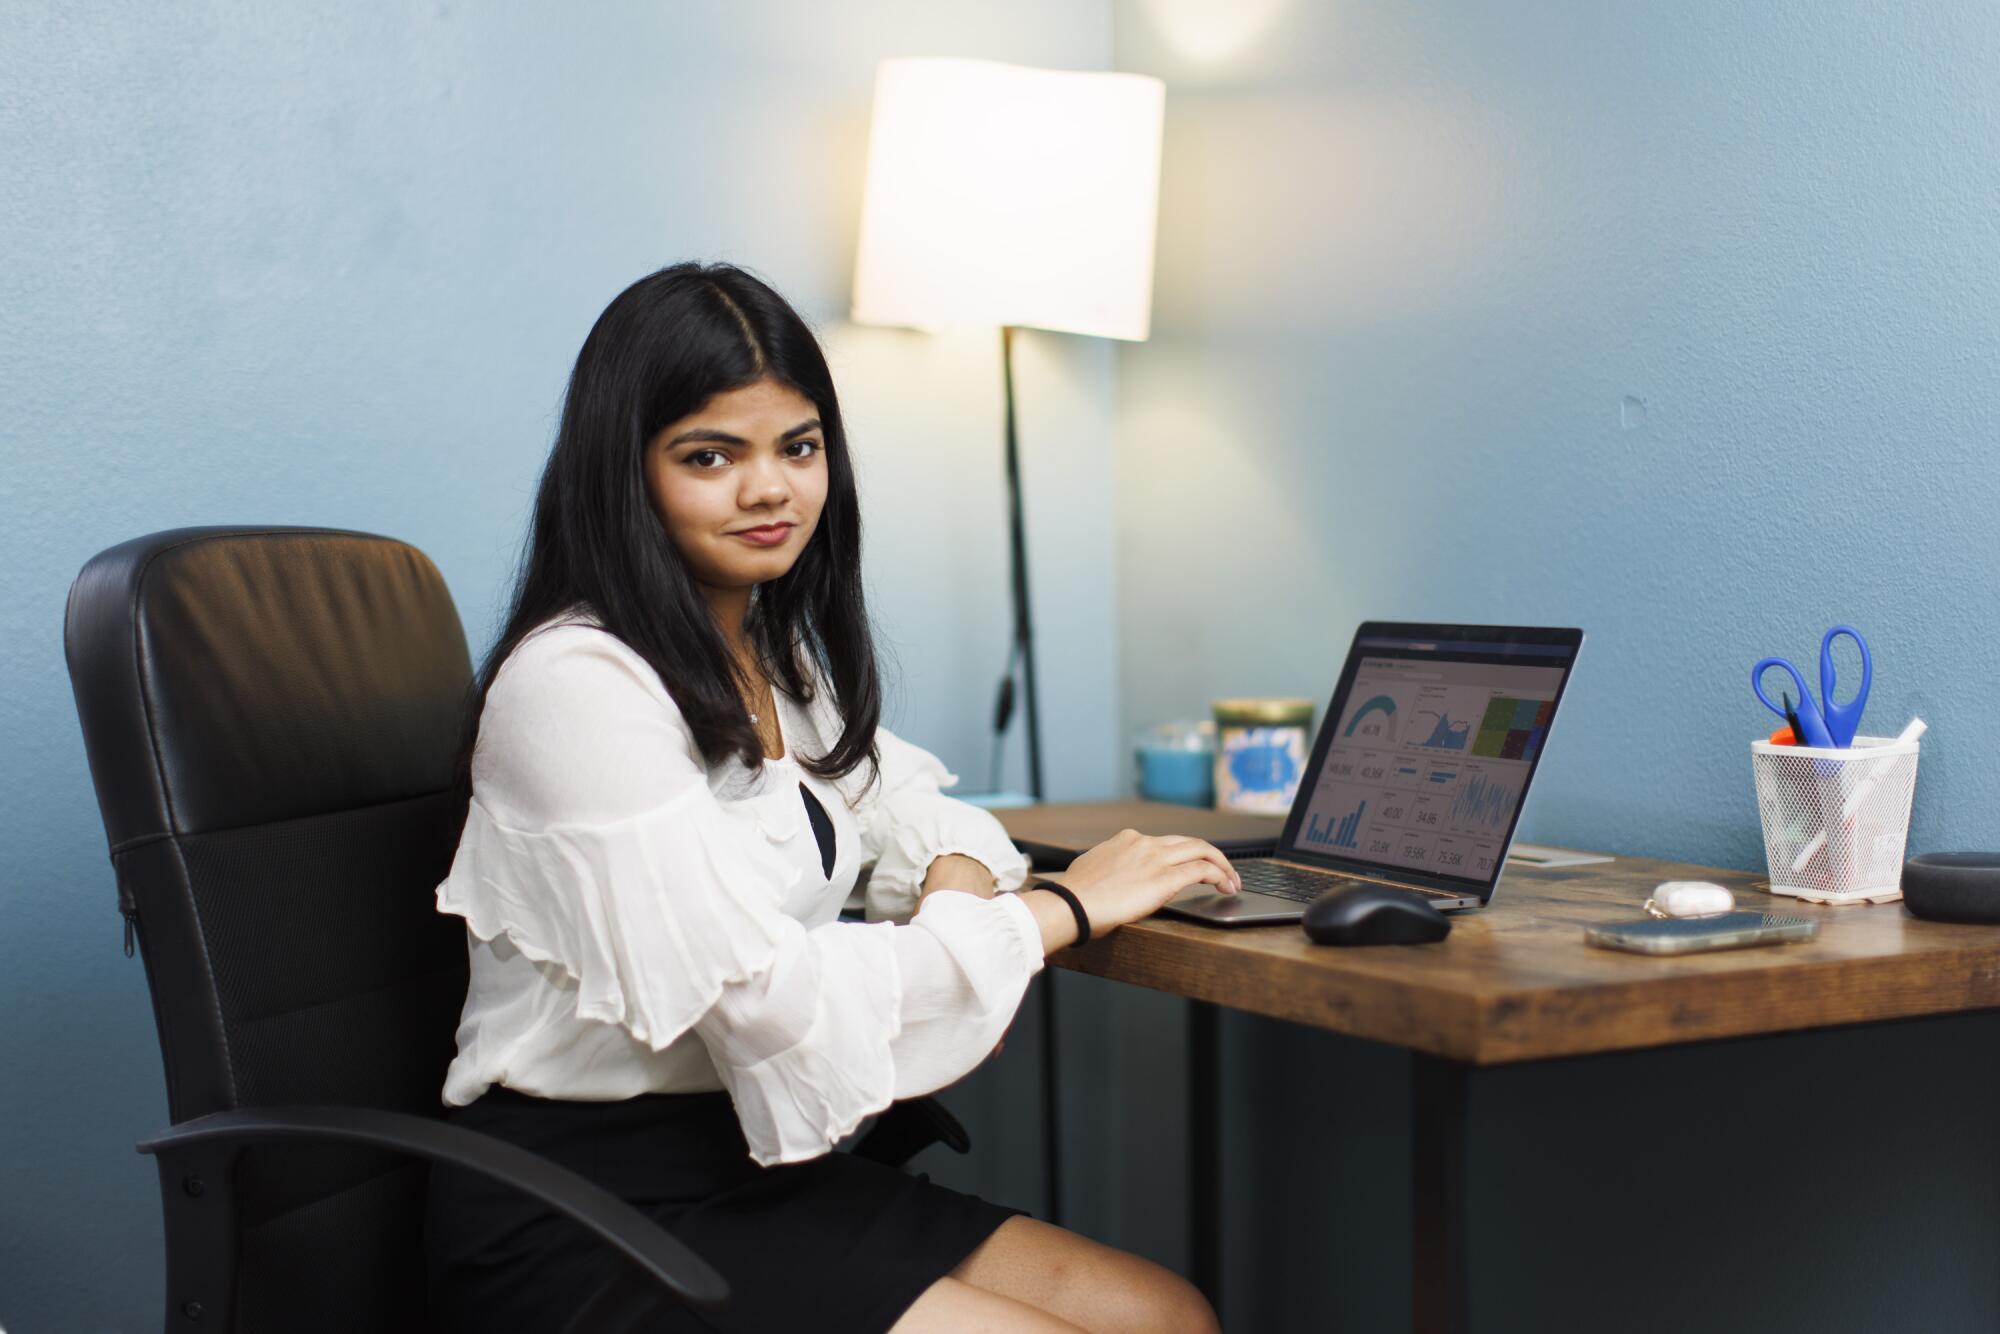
(835, 1243)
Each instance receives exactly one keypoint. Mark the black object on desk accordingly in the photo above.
(1363, 914)
(1953, 886)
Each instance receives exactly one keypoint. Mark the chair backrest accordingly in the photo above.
(271, 716)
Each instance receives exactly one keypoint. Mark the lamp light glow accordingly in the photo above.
(1003, 195)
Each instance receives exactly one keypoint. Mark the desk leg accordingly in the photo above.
(1205, 1150)
(1438, 1089)
(1052, 1200)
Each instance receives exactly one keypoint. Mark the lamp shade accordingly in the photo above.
(1002, 195)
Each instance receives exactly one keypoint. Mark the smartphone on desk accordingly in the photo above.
(1689, 935)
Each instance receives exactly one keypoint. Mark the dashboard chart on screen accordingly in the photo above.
(1427, 767)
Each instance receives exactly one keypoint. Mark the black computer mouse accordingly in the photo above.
(1363, 914)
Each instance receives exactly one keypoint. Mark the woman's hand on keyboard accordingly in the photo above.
(1129, 875)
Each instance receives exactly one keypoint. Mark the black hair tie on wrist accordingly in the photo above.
(1075, 908)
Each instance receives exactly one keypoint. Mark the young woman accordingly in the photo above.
(677, 774)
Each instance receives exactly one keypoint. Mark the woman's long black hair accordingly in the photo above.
(661, 349)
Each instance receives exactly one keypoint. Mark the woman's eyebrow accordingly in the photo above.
(703, 435)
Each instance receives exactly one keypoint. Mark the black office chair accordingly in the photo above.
(271, 716)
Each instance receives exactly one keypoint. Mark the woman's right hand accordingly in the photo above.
(1129, 875)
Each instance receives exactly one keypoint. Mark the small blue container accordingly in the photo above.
(1177, 763)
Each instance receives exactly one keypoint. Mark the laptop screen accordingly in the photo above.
(1425, 754)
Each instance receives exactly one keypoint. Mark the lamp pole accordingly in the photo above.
(1024, 641)
(1041, 217)
(1024, 634)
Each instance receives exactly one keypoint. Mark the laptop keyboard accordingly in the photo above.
(1296, 883)
(1286, 882)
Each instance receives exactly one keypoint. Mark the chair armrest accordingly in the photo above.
(907, 1128)
(664, 1261)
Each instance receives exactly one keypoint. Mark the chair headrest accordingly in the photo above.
(232, 676)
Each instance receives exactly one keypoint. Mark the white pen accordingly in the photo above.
(1852, 805)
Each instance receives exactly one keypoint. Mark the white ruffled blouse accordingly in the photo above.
(639, 922)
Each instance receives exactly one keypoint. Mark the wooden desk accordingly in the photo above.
(1515, 983)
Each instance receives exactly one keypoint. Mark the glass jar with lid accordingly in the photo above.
(1260, 753)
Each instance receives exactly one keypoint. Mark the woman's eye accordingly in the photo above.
(808, 448)
(698, 458)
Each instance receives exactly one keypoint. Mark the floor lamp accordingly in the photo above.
(1001, 196)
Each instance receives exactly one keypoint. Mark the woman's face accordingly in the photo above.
(740, 482)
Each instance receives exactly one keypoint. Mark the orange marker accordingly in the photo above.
(1783, 737)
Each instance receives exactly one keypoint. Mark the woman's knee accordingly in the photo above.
(1129, 1292)
(950, 1305)
(1163, 1300)
(1087, 1283)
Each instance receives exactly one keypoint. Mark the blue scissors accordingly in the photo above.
(1833, 724)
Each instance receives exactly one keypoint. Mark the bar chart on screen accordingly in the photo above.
(1336, 831)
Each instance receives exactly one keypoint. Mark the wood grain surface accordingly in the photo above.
(1067, 828)
(1515, 982)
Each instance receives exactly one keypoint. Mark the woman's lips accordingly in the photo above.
(768, 536)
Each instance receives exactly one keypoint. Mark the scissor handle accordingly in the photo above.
(1810, 722)
(1843, 720)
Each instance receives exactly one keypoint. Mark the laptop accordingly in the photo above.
(1418, 775)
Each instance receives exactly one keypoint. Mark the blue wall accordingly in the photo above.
(1676, 322)
(1673, 322)
(329, 264)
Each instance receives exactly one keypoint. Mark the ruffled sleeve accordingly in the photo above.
(594, 844)
(626, 909)
(907, 822)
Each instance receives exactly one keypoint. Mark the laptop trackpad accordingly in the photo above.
(1201, 904)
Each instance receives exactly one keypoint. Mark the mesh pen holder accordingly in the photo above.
(1835, 820)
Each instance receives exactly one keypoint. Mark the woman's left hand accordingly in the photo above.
(956, 871)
